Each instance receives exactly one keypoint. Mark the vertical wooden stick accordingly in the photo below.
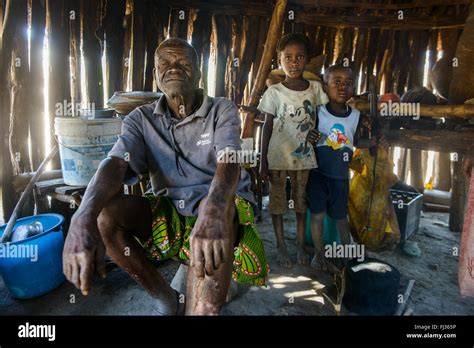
(274, 33)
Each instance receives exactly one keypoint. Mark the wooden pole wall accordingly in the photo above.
(221, 26)
(196, 37)
(233, 83)
(415, 79)
(206, 47)
(273, 36)
(247, 52)
(321, 37)
(6, 174)
(201, 42)
(179, 23)
(75, 50)
(132, 35)
(360, 49)
(364, 76)
(432, 49)
(114, 38)
(442, 179)
(260, 46)
(138, 45)
(391, 67)
(19, 117)
(371, 54)
(2, 10)
(310, 32)
(459, 91)
(57, 19)
(461, 88)
(330, 42)
(382, 46)
(92, 47)
(127, 44)
(152, 31)
(457, 203)
(36, 96)
(403, 59)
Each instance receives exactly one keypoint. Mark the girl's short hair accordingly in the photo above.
(297, 37)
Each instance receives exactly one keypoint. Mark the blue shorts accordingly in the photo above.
(327, 195)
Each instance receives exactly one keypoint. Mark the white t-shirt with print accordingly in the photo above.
(294, 115)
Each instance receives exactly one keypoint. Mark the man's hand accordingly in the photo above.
(313, 136)
(83, 253)
(209, 241)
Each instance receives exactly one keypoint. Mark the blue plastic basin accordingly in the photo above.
(36, 267)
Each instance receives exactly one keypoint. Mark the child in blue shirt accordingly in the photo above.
(337, 133)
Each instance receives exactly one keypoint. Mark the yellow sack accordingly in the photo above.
(383, 232)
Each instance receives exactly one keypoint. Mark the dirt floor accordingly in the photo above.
(295, 291)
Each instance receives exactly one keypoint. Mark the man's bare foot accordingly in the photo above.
(301, 256)
(319, 263)
(283, 258)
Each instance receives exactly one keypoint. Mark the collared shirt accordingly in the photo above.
(181, 155)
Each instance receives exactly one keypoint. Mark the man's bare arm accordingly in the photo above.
(223, 184)
(84, 251)
(105, 184)
(210, 238)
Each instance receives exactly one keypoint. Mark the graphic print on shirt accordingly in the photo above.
(303, 119)
(337, 138)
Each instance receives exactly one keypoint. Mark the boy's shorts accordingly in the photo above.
(328, 195)
(278, 202)
(171, 232)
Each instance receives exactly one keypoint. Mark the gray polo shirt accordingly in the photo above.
(180, 155)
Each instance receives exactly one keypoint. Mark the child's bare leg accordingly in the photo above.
(345, 235)
(301, 255)
(317, 228)
(344, 231)
(282, 253)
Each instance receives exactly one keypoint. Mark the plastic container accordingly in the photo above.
(34, 266)
(408, 209)
(83, 144)
(330, 234)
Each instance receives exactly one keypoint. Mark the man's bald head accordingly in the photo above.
(176, 42)
(176, 67)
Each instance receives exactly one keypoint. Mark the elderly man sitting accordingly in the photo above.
(200, 211)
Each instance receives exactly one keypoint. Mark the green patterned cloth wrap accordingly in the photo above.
(171, 232)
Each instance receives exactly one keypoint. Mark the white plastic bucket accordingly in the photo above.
(83, 144)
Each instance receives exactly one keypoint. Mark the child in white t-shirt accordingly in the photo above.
(289, 109)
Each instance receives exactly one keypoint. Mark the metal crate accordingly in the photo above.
(407, 208)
